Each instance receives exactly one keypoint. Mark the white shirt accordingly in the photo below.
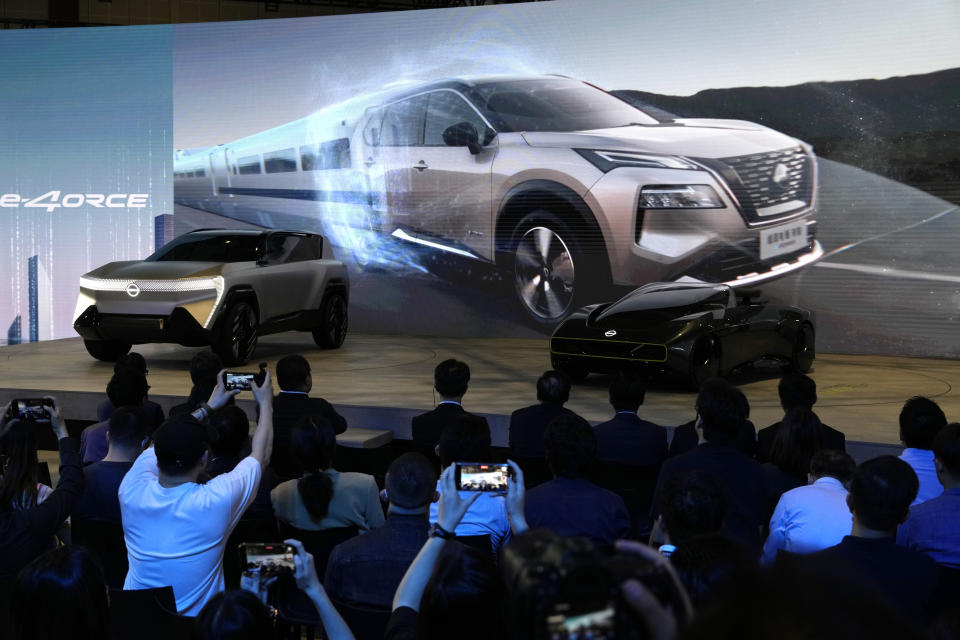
(486, 516)
(921, 461)
(809, 519)
(177, 536)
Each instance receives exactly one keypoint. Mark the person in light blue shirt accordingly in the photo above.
(816, 516)
(934, 526)
(920, 421)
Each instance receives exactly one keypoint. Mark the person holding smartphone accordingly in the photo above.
(27, 529)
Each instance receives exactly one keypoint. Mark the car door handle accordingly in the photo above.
(420, 166)
(370, 161)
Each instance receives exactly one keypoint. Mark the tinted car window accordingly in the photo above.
(403, 122)
(445, 108)
(283, 248)
(554, 105)
(201, 248)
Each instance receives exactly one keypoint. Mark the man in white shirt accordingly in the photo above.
(176, 530)
(816, 516)
(920, 421)
(467, 439)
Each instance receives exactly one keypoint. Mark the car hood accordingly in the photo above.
(636, 319)
(142, 270)
(705, 138)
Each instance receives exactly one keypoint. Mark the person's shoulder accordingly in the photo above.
(769, 431)
(355, 478)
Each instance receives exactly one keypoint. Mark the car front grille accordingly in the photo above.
(770, 186)
(614, 349)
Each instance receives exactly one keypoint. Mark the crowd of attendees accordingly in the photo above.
(614, 530)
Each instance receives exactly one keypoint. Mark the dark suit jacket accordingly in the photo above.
(425, 428)
(685, 438)
(288, 408)
(628, 439)
(742, 481)
(528, 425)
(832, 439)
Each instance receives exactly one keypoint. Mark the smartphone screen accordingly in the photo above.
(270, 558)
(482, 476)
(32, 409)
(582, 625)
(233, 380)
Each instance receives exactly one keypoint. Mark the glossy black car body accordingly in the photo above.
(696, 330)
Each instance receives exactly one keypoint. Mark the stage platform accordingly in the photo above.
(380, 381)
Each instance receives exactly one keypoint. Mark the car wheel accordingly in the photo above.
(549, 268)
(704, 360)
(238, 335)
(804, 349)
(334, 321)
(106, 350)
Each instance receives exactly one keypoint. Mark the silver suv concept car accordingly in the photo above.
(567, 187)
(219, 288)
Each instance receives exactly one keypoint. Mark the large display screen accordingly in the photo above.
(487, 171)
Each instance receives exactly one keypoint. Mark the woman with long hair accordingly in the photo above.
(20, 487)
(799, 437)
(324, 498)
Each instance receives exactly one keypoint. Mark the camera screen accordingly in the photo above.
(32, 410)
(243, 381)
(271, 559)
(593, 625)
(482, 477)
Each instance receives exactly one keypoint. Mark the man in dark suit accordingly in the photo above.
(626, 438)
(528, 425)
(450, 379)
(797, 391)
(291, 404)
(685, 437)
(721, 411)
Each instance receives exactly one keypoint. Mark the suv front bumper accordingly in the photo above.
(179, 327)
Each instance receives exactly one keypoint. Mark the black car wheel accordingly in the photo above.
(333, 330)
(550, 267)
(804, 349)
(238, 335)
(106, 350)
(704, 361)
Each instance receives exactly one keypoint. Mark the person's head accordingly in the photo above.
(920, 420)
(461, 596)
(132, 360)
(722, 409)
(233, 431)
(127, 432)
(450, 379)
(411, 483)
(204, 367)
(127, 387)
(466, 438)
(797, 391)
(313, 442)
(829, 463)
(180, 444)
(553, 386)
(626, 392)
(61, 594)
(706, 563)
(797, 439)
(571, 446)
(692, 504)
(236, 614)
(881, 492)
(18, 484)
(946, 452)
(293, 373)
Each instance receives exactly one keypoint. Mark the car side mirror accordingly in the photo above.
(462, 134)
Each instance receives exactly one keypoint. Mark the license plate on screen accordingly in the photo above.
(786, 238)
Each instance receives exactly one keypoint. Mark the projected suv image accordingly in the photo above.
(565, 187)
(218, 288)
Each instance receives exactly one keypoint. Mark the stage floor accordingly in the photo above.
(379, 380)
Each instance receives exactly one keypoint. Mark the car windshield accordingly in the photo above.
(210, 248)
(554, 104)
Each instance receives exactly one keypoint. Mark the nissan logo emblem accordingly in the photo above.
(133, 290)
(780, 174)
(610, 333)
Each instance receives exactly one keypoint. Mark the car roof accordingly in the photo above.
(465, 82)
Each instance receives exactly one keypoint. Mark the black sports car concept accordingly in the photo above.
(696, 330)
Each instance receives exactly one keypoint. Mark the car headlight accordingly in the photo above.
(679, 196)
(609, 160)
